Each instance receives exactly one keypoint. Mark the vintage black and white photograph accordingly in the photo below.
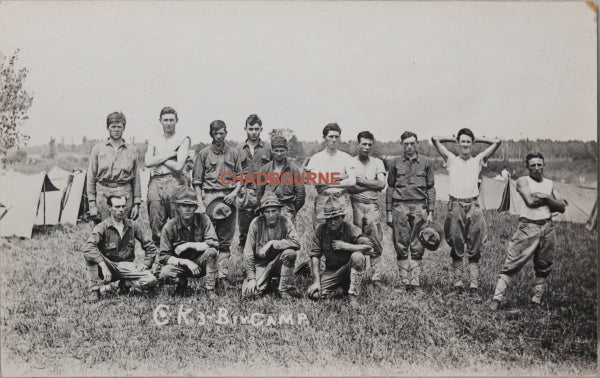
(298, 188)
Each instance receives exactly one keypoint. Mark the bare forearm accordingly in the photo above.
(316, 268)
(443, 140)
(154, 160)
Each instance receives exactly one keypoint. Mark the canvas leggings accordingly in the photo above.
(281, 267)
(348, 277)
(178, 275)
(161, 201)
(529, 240)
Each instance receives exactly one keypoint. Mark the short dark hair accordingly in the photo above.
(408, 134)
(533, 155)
(465, 131)
(110, 198)
(115, 117)
(168, 110)
(217, 125)
(331, 127)
(253, 119)
(365, 135)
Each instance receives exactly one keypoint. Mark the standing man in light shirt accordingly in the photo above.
(254, 153)
(370, 181)
(465, 227)
(331, 160)
(113, 170)
(410, 201)
(211, 164)
(535, 234)
(166, 156)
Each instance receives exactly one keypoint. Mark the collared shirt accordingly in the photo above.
(283, 235)
(251, 162)
(211, 163)
(160, 146)
(291, 195)
(175, 232)
(106, 240)
(369, 171)
(410, 180)
(323, 237)
(463, 176)
(113, 166)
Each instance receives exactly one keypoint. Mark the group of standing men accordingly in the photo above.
(192, 229)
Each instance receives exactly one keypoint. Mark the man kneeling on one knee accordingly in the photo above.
(344, 247)
(270, 250)
(188, 245)
(110, 252)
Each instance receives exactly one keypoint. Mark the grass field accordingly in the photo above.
(49, 329)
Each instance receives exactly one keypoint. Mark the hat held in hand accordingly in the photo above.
(431, 236)
(217, 209)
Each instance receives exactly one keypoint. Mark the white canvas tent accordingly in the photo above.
(38, 199)
(582, 202)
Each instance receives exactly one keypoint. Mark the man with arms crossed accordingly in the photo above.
(113, 171)
(188, 246)
(212, 162)
(464, 222)
(254, 153)
(535, 234)
(410, 201)
(331, 160)
(166, 155)
(110, 252)
(270, 249)
(344, 247)
(370, 180)
(291, 195)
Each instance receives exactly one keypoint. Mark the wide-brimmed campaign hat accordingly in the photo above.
(217, 209)
(332, 208)
(186, 196)
(269, 199)
(431, 236)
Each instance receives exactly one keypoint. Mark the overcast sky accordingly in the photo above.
(510, 70)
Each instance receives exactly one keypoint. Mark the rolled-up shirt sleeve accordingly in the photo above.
(198, 170)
